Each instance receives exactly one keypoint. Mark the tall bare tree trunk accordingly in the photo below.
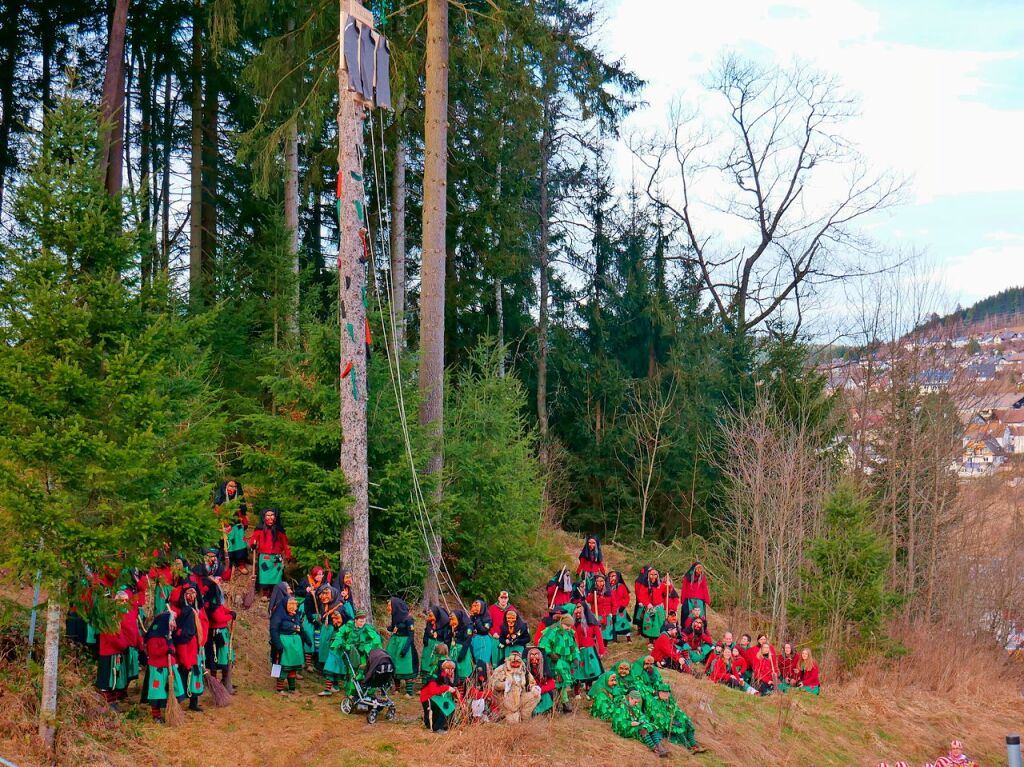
(398, 192)
(48, 698)
(196, 276)
(210, 175)
(146, 106)
(10, 46)
(291, 217)
(355, 538)
(542, 314)
(432, 270)
(165, 180)
(112, 103)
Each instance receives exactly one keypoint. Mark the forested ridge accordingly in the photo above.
(547, 346)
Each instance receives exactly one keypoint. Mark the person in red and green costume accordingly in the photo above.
(162, 678)
(437, 632)
(440, 697)
(559, 644)
(629, 720)
(670, 720)
(286, 641)
(189, 639)
(270, 544)
(401, 645)
(111, 674)
(230, 506)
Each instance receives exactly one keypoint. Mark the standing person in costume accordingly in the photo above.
(270, 544)
(164, 578)
(620, 600)
(342, 581)
(603, 602)
(210, 566)
(629, 720)
(669, 719)
(513, 636)
(649, 613)
(355, 640)
(111, 674)
(133, 630)
(810, 677)
(330, 663)
(591, 560)
(229, 504)
(401, 646)
(540, 670)
(559, 588)
(220, 651)
(440, 697)
(695, 591)
(550, 618)
(310, 612)
(605, 693)
(437, 631)
(162, 678)
(588, 665)
(482, 642)
(461, 644)
(189, 641)
(518, 692)
(666, 652)
(559, 644)
(286, 645)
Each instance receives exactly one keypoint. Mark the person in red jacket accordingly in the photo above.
(603, 602)
(235, 521)
(788, 660)
(162, 678)
(695, 591)
(559, 588)
(132, 630)
(666, 651)
(591, 560)
(189, 640)
(270, 543)
(538, 667)
(810, 678)
(111, 674)
(651, 596)
(497, 612)
(591, 646)
(439, 698)
(764, 674)
(621, 598)
(219, 648)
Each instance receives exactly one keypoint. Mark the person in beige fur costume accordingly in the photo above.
(517, 691)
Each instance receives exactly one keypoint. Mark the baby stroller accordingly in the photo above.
(370, 694)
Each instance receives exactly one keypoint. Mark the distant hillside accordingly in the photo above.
(1003, 306)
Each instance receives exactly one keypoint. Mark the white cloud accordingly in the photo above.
(986, 270)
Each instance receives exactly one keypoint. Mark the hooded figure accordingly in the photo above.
(270, 543)
(235, 524)
(483, 643)
(189, 639)
(620, 601)
(513, 635)
(559, 588)
(286, 644)
(342, 579)
(328, 603)
(401, 646)
(559, 643)
(591, 561)
(436, 631)
(518, 692)
(461, 645)
(605, 692)
(162, 677)
(670, 720)
(220, 653)
(539, 668)
(279, 597)
(651, 593)
(630, 720)
(695, 591)
(587, 628)
(309, 611)
(645, 677)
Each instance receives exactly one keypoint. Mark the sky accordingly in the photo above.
(940, 85)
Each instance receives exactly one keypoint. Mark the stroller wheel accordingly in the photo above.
(371, 717)
(389, 714)
(346, 705)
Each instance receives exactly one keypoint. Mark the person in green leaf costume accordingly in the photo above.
(401, 646)
(672, 721)
(286, 640)
(559, 644)
(629, 720)
(605, 693)
(645, 677)
(355, 639)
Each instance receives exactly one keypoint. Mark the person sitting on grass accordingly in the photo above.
(539, 668)
(666, 650)
(629, 720)
(697, 643)
(518, 692)
(955, 756)
(810, 680)
(672, 721)
(605, 694)
(440, 698)
(645, 677)
(788, 668)
(764, 674)
(739, 672)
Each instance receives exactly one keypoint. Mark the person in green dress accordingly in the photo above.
(461, 645)
(354, 640)
(672, 721)
(482, 641)
(559, 644)
(437, 632)
(629, 720)
(401, 646)
(645, 677)
(330, 663)
(286, 640)
(230, 506)
(605, 694)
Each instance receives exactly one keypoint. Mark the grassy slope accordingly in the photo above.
(849, 725)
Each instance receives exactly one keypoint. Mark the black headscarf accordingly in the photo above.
(334, 601)
(606, 591)
(588, 615)
(221, 496)
(482, 622)
(160, 627)
(399, 613)
(462, 630)
(562, 580)
(596, 557)
(521, 629)
(618, 576)
(441, 626)
(579, 592)
(644, 577)
(339, 581)
(187, 629)
(212, 593)
(278, 603)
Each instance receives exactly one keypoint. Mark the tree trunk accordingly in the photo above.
(196, 276)
(165, 180)
(210, 177)
(398, 192)
(9, 50)
(499, 311)
(146, 103)
(542, 314)
(432, 270)
(112, 103)
(46, 43)
(48, 699)
(355, 538)
(291, 218)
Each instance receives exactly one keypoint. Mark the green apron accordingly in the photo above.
(156, 685)
(292, 656)
(653, 620)
(483, 648)
(404, 667)
(608, 627)
(588, 666)
(501, 653)
(546, 702)
(236, 538)
(464, 667)
(271, 569)
(225, 653)
(196, 683)
(623, 625)
(160, 596)
(428, 662)
(131, 664)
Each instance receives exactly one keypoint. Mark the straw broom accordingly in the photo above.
(220, 694)
(231, 664)
(174, 716)
(250, 594)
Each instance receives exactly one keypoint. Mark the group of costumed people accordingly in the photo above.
(954, 757)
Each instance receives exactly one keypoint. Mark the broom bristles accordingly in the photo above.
(174, 716)
(221, 696)
(250, 594)
(227, 679)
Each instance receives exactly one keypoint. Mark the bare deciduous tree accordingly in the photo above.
(769, 200)
(651, 408)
